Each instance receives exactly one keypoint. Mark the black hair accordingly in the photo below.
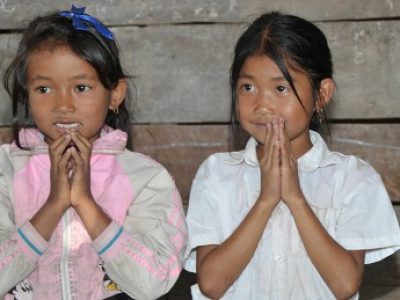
(288, 40)
(49, 32)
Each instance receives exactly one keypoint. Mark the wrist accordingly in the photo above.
(58, 205)
(296, 203)
(84, 201)
(266, 203)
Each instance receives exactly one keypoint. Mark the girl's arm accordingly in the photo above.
(144, 257)
(341, 269)
(91, 214)
(218, 267)
(17, 258)
(48, 216)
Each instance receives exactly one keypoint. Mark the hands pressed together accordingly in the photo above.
(279, 175)
(70, 170)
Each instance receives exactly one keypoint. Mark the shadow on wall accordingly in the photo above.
(382, 280)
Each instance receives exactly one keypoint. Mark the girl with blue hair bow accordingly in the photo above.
(81, 216)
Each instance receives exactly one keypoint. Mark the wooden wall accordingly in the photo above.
(179, 53)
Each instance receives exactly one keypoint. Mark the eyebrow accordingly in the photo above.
(276, 78)
(79, 76)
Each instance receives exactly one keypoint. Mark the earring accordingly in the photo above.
(320, 113)
(115, 110)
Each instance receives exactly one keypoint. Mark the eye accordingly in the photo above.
(82, 88)
(247, 87)
(282, 89)
(43, 89)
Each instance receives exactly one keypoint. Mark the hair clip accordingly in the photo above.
(77, 14)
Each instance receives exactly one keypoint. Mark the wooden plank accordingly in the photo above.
(379, 144)
(182, 148)
(181, 72)
(366, 60)
(13, 14)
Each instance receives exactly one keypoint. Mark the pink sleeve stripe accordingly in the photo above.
(176, 218)
(15, 252)
(161, 272)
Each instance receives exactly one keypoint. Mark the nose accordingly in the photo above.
(65, 103)
(264, 104)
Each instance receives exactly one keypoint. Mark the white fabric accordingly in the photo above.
(346, 194)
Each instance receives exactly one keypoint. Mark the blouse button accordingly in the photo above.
(279, 258)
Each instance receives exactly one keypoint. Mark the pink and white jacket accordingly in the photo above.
(139, 253)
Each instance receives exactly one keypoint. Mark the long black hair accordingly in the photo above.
(51, 31)
(289, 41)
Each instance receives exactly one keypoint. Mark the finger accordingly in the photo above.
(267, 142)
(275, 140)
(289, 159)
(82, 139)
(82, 143)
(58, 148)
(77, 157)
(271, 152)
(59, 142)
(288, 144)
(62, 164)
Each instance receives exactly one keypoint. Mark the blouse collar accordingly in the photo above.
(318, 156)
(110, 142)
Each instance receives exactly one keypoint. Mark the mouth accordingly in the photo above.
(261, 125)
(67, 126)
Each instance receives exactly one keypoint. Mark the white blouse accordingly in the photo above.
(345, 193)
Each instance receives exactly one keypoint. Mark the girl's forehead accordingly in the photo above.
(59, 62)
(263, 63)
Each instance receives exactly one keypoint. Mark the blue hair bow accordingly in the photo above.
(77, 14)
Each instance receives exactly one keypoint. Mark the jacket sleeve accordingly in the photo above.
(144, 257)
(20, 248)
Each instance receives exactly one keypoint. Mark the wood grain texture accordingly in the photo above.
(14, 13)
(182, 148)
(181, 73)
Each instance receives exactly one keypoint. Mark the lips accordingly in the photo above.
(263, 122)
(67, 126)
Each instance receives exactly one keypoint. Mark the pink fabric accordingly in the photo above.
(110, 188)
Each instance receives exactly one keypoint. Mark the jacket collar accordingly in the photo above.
(110, 142)
(318, 156)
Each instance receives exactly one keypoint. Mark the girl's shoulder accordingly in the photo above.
(6, 165)
(352, 171)
(5, 152)
(222, 164)
(141, 165)
(353, 164)
(137, 159)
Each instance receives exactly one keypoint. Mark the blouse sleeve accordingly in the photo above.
(20, 248)
(203, 215)
(367, 220)
(145, 256)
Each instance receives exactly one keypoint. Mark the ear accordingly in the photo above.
(118, 94)
(326, 90)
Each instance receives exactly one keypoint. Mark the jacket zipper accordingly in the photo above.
(64, 266)
(45, 151)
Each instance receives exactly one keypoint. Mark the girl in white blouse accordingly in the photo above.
(285, 218)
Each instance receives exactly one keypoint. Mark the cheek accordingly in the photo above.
(243, 107)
